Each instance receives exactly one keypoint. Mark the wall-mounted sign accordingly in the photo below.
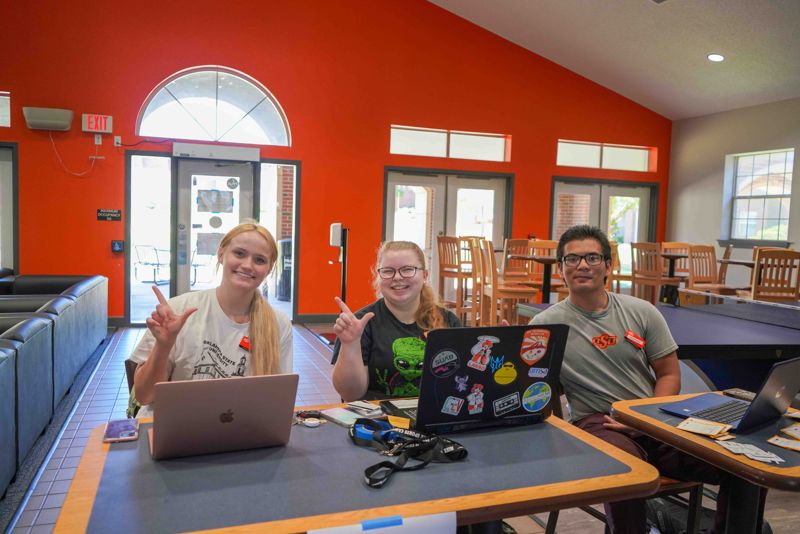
(91, 122)
(109, 215)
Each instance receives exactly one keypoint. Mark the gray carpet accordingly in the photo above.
(15, 493)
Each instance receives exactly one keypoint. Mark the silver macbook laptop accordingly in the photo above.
(220, 415)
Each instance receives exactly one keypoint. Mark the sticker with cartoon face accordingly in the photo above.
(475, 399)
(482, 352)
(537, 372)
(506, 404)
(536, 397)
(534, 345)
(452, 405)
(461, 383)
(506, 374)
(445, 363)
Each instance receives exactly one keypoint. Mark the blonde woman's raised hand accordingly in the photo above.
(348, 327)
(164, 323)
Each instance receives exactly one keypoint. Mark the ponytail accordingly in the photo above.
(264, 338)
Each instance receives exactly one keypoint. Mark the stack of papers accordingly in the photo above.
(704, 428)
(793, 431)
(752, 452)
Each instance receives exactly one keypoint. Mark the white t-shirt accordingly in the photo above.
(208, 345)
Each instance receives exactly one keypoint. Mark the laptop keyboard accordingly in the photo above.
(727, 412)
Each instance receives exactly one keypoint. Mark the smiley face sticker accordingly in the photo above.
(534, 345)
(506, 374)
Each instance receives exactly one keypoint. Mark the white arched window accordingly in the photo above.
(214, 103)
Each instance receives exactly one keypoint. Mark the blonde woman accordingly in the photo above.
(378, 351)
(227, 331)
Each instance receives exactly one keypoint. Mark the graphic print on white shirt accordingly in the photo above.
(214, 364)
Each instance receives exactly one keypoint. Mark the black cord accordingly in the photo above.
(148, 141)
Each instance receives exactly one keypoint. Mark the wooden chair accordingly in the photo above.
(776, 275)
(681, 266)
(616, 270)
(447, 248)
(722, 272)
(489, 291)
(516, 268)
(648, 273)
(543, 247)
(703, 274)
(465, 266)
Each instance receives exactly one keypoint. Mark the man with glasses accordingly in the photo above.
(619, 347)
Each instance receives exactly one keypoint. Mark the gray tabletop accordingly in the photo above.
(320, 471)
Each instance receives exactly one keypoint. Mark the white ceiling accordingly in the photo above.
(655, 53)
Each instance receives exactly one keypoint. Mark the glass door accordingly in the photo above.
(415, 207)
(623, 212)
(213, 197)
(420, 207)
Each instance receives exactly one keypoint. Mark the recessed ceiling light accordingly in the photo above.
(716, 58)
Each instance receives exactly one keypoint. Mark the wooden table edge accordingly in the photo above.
(642, 480)
(759, 473)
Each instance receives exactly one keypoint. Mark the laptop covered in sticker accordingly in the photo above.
(489, 376)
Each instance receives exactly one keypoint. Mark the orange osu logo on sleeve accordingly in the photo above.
(604, 341)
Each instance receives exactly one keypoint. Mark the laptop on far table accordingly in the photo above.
(768, 406)
(489, 376)
(194, 417)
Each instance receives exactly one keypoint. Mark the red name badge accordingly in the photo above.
(245, 343)
(635, 339)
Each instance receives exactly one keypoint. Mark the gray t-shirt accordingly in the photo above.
(601, 365)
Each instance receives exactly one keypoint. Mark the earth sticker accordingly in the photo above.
(536, 397)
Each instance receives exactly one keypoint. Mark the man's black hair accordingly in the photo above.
(581, 232)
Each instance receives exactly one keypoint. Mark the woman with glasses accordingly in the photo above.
(379, 349)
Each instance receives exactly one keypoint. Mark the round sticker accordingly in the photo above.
(233, 183)
(536, 397)
(506, 374)
(445, 363)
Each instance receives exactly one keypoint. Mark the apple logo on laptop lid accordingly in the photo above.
(226, 417)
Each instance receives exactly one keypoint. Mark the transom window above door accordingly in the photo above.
(214, 103)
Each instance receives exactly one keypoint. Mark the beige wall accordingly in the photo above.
(699, 147)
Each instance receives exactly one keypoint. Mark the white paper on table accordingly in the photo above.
(423, 524)
(699, 426)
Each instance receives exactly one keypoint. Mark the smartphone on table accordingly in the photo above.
(121, 430)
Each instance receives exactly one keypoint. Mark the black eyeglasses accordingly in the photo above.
(407, 271)
(592, 259)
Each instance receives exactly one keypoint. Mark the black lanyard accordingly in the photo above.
(405, 445)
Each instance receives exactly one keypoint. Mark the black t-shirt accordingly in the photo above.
(393, 352)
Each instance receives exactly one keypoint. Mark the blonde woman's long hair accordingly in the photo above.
(430, 313)
(264, 334)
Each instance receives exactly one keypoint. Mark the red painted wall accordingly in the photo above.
(343, 72)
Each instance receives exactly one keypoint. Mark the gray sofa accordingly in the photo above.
(32, 341)
(8, 415)
(49, 327)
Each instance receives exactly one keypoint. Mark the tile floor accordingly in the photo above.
(106, 397)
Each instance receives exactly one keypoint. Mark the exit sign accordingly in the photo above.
(97, 123)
